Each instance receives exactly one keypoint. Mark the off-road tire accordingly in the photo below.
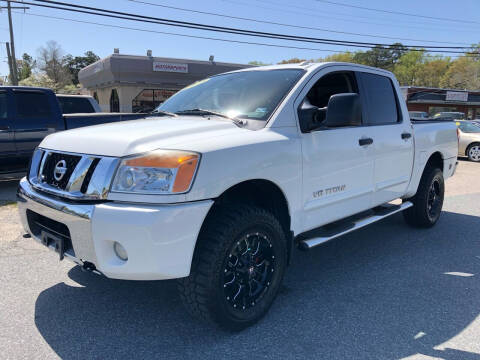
(202, 292)
(420, 214)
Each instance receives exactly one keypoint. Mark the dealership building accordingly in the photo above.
(128, 83)
(433, 100)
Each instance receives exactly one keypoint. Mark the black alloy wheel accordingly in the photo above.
(248, 271)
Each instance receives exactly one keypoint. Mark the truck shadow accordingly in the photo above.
(386, 292)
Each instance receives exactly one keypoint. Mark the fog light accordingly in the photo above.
(120, 251)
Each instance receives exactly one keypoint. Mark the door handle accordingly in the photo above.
(365, 141)
(406, 136)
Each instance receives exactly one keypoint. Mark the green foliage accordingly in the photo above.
(381, 57)
(43, 80)
(38, 80)
(25, 66)
(292, 61)
(257, 63)
(416, 67)
(408, 66)
(75, 64)
(53, 69)
(340, 57)
(463, 73)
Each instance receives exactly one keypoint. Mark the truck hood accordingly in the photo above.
(138, 136)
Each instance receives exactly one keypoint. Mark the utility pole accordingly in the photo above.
(7, 44)
(12, 60)
(12, 46)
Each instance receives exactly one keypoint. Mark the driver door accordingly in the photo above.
(338, 171)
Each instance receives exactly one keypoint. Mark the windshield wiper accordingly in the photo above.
(163, 112)
(202, 112)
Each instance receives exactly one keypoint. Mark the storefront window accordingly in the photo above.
(114, 101)
(147, 100)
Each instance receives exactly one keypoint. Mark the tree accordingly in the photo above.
(42, 80)
(292, 61)
(51, 61)
(341, 57)
(38, 80)
(25, 66)
(381, 57)
(257, 63)
(77, 63)
(463, 73)
(432, 71)
(408, 67)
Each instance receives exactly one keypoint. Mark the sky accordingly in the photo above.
(33, 31)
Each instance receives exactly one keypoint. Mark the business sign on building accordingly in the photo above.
(170, 67)
(456, 96)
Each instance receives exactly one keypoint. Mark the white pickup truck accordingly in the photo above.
(235, 171)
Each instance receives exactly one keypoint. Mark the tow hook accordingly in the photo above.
(88, 266)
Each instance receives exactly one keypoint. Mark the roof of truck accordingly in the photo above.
(24, 88)
(309, 66)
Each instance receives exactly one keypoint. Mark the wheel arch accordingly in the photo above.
(435, 160)
(259, 192)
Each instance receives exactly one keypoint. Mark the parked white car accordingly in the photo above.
(469, 140)
(237, 170)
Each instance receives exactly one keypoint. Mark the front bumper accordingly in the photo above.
(159, 239)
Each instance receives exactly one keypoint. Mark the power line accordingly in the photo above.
(285, 25)
(324, 11)
(198, 26)
(397, 12)
(182, 35)
(345, 20)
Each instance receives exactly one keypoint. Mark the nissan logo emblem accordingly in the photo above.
(60, 170)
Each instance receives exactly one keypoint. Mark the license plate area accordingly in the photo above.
(57, 242)
(51, 233)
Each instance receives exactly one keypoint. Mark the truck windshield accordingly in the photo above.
(247, 94)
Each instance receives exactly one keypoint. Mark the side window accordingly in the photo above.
(3, 107)
(75, 105)
(331, 84)
(31, 105)
(381, 99)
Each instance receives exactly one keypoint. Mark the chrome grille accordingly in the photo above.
(48, 170)
(85, 177)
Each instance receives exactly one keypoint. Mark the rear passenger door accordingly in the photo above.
(392, 137)
(7, 144)
(34, 119)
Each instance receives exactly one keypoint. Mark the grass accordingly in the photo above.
(6, 203)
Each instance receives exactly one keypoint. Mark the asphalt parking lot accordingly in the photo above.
(384, 292)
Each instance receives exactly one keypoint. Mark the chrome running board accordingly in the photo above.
(331, 231)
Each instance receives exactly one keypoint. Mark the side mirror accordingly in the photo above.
(311, 117)
(344, 110)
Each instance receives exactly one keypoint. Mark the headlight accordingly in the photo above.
(157, 172)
